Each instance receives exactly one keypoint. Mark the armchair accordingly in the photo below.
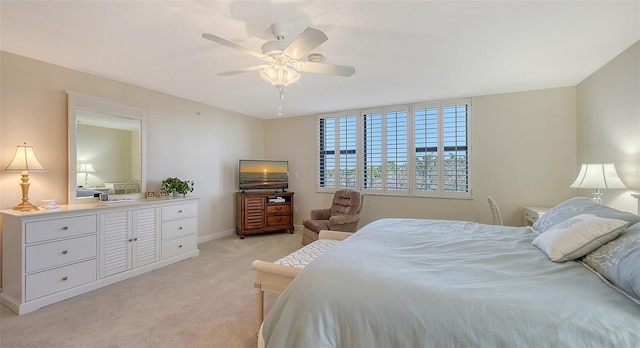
(343, 215)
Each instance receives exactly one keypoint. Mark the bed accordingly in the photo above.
(426, 283)
(274, 277)
(85, 192)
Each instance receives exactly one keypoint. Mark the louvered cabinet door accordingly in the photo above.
(114, 244)
(254, 212)
(145, 237)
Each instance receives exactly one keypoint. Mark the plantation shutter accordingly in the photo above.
(348, 159)
(426, 149)
(372, 151)
(454, 134)
(397, 171)
(327, 152)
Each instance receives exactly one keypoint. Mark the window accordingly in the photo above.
(327, 169)
(397, 173)
(337, 161)
(385, 150)
(372, 151)
(421, 149)
(441, 149)
(347, 160)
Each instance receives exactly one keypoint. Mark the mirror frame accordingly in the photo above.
(78, 101)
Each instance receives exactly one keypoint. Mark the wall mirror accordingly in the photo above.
(107, 151)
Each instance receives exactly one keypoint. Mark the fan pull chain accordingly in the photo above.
(281, 89)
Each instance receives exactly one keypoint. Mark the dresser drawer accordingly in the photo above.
(59, 228)
(180, 227)
(278, 209)
(59, 253)
(278, 220)
(179, 211)
(178, 246)
(59, 279)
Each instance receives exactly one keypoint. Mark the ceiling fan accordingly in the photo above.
(282, 62)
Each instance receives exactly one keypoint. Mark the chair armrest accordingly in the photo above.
(337, 220)
(320, 214)
(335, 235)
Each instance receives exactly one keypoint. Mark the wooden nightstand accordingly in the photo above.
(532, 214)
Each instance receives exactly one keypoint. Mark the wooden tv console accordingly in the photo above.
(262, 211)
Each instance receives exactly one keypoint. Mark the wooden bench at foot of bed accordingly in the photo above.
(275, 276)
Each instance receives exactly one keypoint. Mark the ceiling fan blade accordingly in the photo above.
(309, 39)
(225, 42)
(240, 71)
(323, 68)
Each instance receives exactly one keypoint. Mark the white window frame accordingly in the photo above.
(411, 146)
(337, 115)
(383, 111)
(441, 193)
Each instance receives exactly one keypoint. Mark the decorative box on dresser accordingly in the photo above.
(261, 212)
(51, 255)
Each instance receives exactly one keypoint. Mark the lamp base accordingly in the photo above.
(25, 206)
(597, 196)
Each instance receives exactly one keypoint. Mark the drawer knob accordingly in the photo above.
(180, 227)
(179, 211)
(65, 228)
(135, 239)
(130, 240)
(65, 278)
(180, 246)
(65, 252)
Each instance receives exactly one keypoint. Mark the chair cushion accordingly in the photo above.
(316, 225)
(345, 202)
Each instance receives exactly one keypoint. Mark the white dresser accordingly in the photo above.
(52, 255)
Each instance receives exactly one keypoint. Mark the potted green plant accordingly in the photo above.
(176, 185)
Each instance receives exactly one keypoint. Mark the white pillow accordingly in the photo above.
(578, 236)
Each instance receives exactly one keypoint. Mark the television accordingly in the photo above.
(263, 175)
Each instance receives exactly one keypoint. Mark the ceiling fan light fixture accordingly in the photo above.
(280, 76)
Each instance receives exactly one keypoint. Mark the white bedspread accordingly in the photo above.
(429, 283)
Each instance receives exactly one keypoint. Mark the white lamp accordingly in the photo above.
(598, 176)
(25, 161)
(279, 75)
(86, 168)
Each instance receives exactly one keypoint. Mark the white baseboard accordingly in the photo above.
(216, 235)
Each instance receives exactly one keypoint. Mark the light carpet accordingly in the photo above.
(206, 301)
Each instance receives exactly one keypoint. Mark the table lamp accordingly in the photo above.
(25, 161)
(598, 176)
(86, 168)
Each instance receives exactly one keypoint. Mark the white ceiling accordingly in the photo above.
(403, 51)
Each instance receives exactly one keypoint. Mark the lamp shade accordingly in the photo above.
(598, 176)
(86, 168)
(25, 160)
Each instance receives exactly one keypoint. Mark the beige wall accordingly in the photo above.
(185, 139)
(92, 142)
(608, 104)
(523, 148)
